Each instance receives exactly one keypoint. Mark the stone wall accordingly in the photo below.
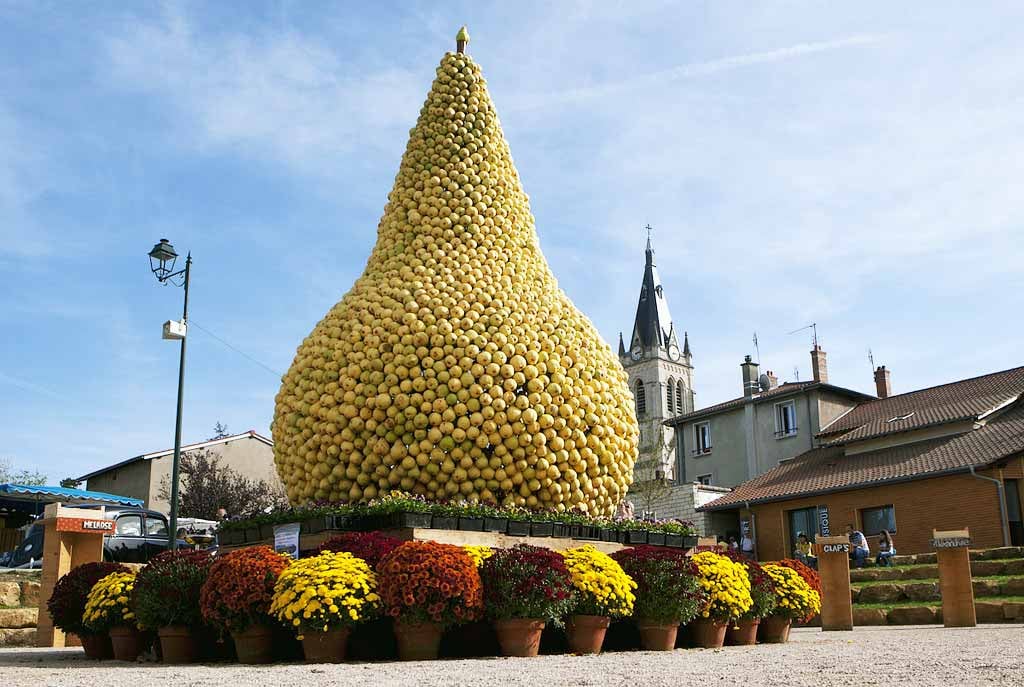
(19, 608)
(678, 502)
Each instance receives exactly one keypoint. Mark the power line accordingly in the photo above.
(235, 349)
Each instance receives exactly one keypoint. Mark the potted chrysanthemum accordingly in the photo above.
(603, 591)
(67, 606)
(525, 587)
(108, 609)
(762, 593)
(668, 592)
(166, 599)
(426, 586)
(794, 598)
(323, 597)
(728, 588)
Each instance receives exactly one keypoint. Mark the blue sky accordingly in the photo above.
(855, 165)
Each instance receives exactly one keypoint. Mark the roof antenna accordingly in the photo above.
(871, 359)
(812, 325)
(758, 350)
(796, 370)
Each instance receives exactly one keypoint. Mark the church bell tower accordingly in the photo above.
(660, 370)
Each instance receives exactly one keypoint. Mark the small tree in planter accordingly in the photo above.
(372, 547)
(166, 599)
(425, 587)
(108, 609)
(668, 592)
(524, 588)
(728, 588)
(67, 605)
(236, 599)
(795, 600)
(603, 591)
(323, 597)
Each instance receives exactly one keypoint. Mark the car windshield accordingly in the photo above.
(156, 528)
(129, 526)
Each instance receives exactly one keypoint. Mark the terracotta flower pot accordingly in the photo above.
(177, 644)
(744, 633)
(519, 636)
(657, 636)
(418, 641)
(255, 644)
(586, 633)
(774, 629)
(709, 633)
(97, 647)
(126, 642)
(325, 647)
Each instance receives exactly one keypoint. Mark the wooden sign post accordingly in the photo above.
(72, 537)
(955, 577)
(834, 568)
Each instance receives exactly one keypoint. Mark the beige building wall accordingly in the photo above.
(130, 480)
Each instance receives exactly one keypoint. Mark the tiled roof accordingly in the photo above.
(781, 390)
(828, 469)
(963, 400)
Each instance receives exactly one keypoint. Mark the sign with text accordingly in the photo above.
(951, 542)
(83, 526)
(286, 539)
(823, 528)
(836, 548)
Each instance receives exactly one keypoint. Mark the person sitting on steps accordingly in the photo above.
(859, 551)
(886, 549)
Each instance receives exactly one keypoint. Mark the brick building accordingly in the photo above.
(945, 457)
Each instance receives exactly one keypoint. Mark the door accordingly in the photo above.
(156, 536)
(801, 521)
(128, 543)
(1013, 511)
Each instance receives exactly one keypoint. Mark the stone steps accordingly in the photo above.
(929, 591)
(976, 555)
(919, 571)
(987, 611)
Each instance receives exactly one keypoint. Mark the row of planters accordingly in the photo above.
(403, 510)
(365, 592)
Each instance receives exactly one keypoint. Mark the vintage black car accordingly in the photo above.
(139, 534)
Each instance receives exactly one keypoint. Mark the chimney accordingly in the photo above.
(749, 368)
(819, 367)
(773, 381)
(883, 385)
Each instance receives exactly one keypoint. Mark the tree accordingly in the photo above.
(8, 475)
(71, 483)
(207, 485)
(220, 431)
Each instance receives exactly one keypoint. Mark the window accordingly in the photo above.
(702, 438)
(704, 479)
(155, 527)
(785, 419)
(874, 520)
(680, 408)
(670, 394)
(129, 526)
(641, 398)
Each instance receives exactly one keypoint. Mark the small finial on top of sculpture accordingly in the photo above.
(461, 40)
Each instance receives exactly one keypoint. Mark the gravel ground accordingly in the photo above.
(929, 655)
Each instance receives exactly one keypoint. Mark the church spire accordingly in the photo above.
(652, 325)
(622, 348)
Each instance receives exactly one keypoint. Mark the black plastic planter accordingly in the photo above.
(444, 522)
(636, 536)
(609, 535)
(518, 528)
(576, 531)
(471, 524)
(495, 524)
(315, 524)
(252, 535)
(266, 531)
(589, 533)
(689, 542)
(341, 522)
(230, 537)
(656, 538)
(420, 520)
(541, 529)
(559, 530)
(674, 540)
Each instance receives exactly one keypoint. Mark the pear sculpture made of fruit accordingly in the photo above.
(456, 368)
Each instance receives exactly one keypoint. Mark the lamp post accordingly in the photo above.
(162, 260)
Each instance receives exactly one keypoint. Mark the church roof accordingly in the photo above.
(652, 326)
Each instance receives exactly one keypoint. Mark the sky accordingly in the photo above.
(854, 165)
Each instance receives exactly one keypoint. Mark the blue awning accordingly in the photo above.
(22, 492)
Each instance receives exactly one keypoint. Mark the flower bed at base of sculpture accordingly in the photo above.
(602, 587)
(109, 603)
(327, 591)
(727, 587)
(526, 582)
(478, 553)
(667, 589)
(167, 589)
(67, 603)
(794, 597)
(427, 582)
(762, 589)
(372, 547)
(240, 587)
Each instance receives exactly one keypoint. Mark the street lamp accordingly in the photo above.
(162, 260)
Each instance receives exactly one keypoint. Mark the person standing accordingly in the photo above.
(747, 545)
(859, 551)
